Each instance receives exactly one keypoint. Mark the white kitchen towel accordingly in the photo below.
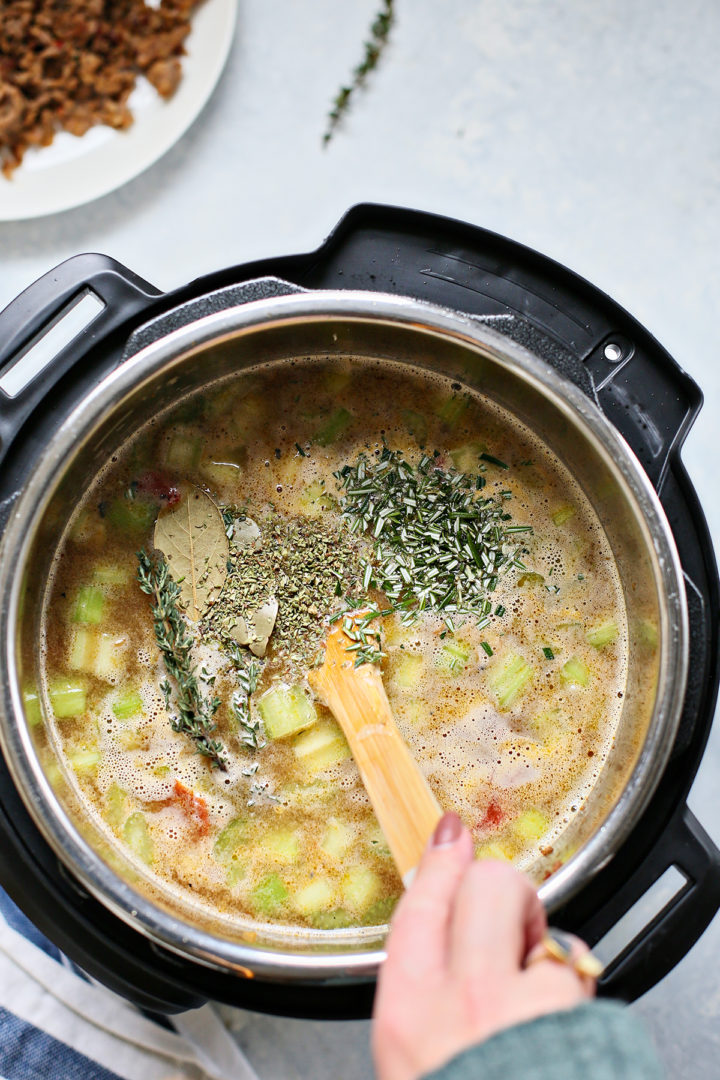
(56, 1024)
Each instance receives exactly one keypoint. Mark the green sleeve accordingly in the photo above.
(600, 1040)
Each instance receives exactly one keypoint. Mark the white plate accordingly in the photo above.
(72, 171)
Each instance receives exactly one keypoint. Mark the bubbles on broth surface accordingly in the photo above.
(513, 769)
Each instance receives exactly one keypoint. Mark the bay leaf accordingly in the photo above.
(263, 623)
(255, 631)
(192, 538)
(246, 533)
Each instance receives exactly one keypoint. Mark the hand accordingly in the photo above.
(457, 960)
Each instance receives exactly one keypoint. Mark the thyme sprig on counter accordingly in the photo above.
(379, 32)
(195, 712)
(438, 544)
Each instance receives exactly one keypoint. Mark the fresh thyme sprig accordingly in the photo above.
(195, 712)
(379, 32)
(438, 544)
(248, 673)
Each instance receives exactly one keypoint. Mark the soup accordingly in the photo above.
(195, 585)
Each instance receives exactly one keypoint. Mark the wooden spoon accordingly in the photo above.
(403, 802)
(401, 797)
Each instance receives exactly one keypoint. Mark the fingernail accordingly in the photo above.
(447, 831)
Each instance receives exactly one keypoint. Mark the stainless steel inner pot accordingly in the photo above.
(320, 325)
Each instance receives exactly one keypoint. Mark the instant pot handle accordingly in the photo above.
(63, 313)
(665, 940)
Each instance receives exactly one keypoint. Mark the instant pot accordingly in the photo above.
(415, 289)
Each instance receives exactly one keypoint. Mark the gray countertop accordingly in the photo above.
(585, 130)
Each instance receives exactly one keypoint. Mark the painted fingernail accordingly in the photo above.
(447, 830)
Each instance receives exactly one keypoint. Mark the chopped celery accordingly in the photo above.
(287, 469)
(510, 681)
(452, 409)
(269, 895)
(222, 474)
(117, 805)
(285, 711)
(337, 919)
(232, 837)
(339, 836)
(547, 724)
(416, 424)
(413, 711)
(308, 794)
(452, 659)
(85, 760)
(282, 845)
(31, 701)
(563, 514)
(335, 426)
(466, 459)
(111, 574)
(381, 911)
(530, 578)
(378, 844)
(67, 698)
(130, 739)
(90, 529)
(530, 825)
(128, 703)
(235, 873)
(408, 671)
(575, 673)
(395, 632)
(336, 379)
(137, 835)
(493, 850)
(647, 633)
(82, 650)
(109, 655)
(322, 746)
(360, 888)
(131, 515)
(53, 775)
(89, 605)
(315, 499)
(184, 451)
(243, 417)
(602, 634)
(314, 897)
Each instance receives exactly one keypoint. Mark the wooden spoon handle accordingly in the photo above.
(401, 797)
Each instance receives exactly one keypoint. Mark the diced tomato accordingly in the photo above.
(493, 816)
(193, 807)
(160, 486)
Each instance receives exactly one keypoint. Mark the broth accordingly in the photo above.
(510, 711)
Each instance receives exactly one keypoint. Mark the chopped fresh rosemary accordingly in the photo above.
(366, 639)
(549, 654)
(494, 461)
(195, 712)
(437, 543)
(379, 32)
(485, 646)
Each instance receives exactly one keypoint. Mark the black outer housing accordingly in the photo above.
(567, 321)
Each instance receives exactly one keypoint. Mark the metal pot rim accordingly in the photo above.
(428, 319)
